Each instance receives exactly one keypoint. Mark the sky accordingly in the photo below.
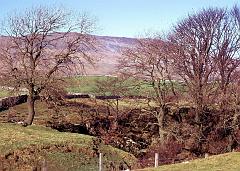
(125, 18)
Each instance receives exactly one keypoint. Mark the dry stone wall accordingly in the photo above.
(8, 102)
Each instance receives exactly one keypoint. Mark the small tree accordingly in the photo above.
(41, 49)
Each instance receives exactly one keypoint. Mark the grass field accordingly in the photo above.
(109, 85)
(22, 148)
(90, 84)
(43, 113)
(72, 114)
(4, 93)
(124, 103)
(85, 84)
(223, 162)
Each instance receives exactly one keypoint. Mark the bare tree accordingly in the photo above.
(149, 62)
(227, 50)
(206, 48)
(41, 48)
(228, 60)
(112, 89)
(193, 54)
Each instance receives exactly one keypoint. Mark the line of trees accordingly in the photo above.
(202, 52)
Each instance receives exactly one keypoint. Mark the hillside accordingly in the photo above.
(223, 162)
(26, 148)
(108, 51)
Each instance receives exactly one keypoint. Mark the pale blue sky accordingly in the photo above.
(126, 18)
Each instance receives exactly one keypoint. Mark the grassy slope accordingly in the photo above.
(223, 162)
(20, 111)
(22, 148)
(71, 113)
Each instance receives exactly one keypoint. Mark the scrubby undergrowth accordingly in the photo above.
(133, 129)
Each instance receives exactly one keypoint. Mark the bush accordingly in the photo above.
(168, 153)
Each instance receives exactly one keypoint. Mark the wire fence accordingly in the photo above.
(104, 163)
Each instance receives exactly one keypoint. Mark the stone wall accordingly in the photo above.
(8, 102)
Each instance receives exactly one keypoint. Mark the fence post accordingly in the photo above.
(44, 165)
(156, 159)
(100, 161)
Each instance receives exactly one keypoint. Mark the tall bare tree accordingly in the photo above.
(203, 43)
(41, 48)
(149, 61)
(206, 56)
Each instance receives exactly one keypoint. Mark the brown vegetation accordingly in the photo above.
(194, 105)
(202, 53)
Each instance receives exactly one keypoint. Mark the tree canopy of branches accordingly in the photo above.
(149, 61)
(202, 51)
(206, 48)
(206, 53)
(41, 48)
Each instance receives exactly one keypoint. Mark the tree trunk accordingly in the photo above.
(114, 125)
(31, 109)
(230, 143)
(199, 104)
(161, 131)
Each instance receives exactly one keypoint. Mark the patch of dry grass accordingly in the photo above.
(4, 93)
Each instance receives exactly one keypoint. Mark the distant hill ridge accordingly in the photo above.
(108, 52)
